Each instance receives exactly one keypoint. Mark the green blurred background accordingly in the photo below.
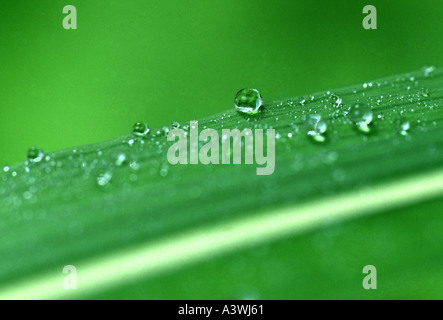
(164, 61)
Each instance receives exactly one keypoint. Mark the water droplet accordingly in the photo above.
(27, 195)
(404, 128)
(121, 158)
(403, 125)
(336, 100)
(424, 92)
(428, 71)
(175, 125)
(6, 169)
(35, 154)
(134, 165)
(104, 179)
(248, 100)
(164, 170)
(140, 129)
(315, 127)
(165, 130)
(361, 115)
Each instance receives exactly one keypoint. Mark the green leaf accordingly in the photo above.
(135, 226)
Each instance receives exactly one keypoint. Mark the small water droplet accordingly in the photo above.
(404, 128)
(424, 92)
(175, 125)
(164, 171)
(121, 158)
(336, 100)
(6, 169)
(140, 129)
(248, 100)
(27, 195)
(165, 130)
(134, 165)
(35, 154)
(104, 179)
(361, 115)
(427, 71)
(315, 127)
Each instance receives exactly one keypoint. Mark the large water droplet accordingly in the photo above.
(361, 115)
(140, 129)
(248, 100)
(35, 154)
(315, 127)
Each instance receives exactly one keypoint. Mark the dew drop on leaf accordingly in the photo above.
(424, 92)
(336, 100)
(404, 128)
(121, 158)
(140, 129)
(35, 154)
(315, 127)
(165, 130)
(427, 71)
(164, 170)
(104, 179)
(361, 115)
(175, 125)
(134, 165)
(248, 100)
